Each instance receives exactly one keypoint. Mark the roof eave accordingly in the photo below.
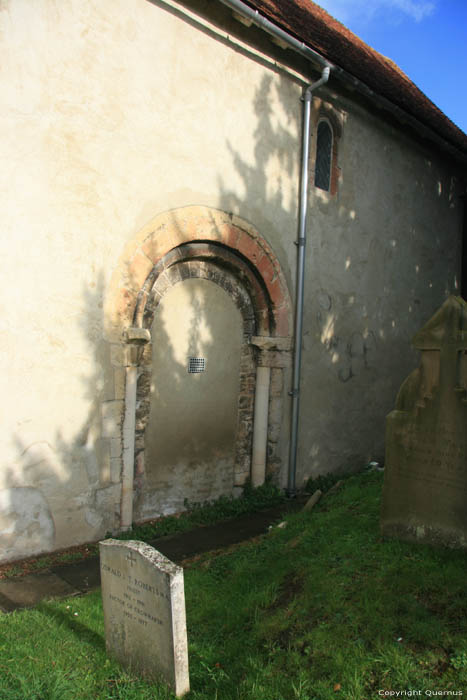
(400, 114)
(348, 79)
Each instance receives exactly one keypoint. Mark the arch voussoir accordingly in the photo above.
(173, 229)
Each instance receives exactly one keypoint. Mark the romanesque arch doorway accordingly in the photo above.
(202, 290)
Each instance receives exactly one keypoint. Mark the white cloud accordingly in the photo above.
(346, 10)
(414, 8)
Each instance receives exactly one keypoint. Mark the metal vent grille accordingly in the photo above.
(196, 365)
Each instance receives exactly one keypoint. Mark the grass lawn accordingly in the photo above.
(320, 609)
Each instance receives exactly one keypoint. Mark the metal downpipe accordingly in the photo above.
(301, 244)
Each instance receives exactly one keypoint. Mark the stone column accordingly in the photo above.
(260, 425)
(135, 339)
(268, 349)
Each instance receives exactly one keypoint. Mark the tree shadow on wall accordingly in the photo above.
(334, 350)
(357, 326)
(60, 490)
(357, 322)
(356, 350)
(187, 424)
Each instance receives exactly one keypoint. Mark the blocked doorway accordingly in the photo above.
(197, 337)
(203, 246)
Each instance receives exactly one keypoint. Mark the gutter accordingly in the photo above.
(404, 118)
(260, 21)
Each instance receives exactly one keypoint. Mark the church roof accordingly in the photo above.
(315, 27)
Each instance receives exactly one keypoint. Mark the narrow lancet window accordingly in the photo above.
(323, 156)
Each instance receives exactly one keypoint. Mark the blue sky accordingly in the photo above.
(426, 38)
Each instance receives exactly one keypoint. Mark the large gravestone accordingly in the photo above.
(144, 611)
(425, 485)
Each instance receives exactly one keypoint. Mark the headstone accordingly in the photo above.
(144, 611)
(425, 484)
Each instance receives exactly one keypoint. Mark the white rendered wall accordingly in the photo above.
(113, 112)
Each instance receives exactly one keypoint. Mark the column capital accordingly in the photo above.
(135, 340)
(278, 344)
(273, 352)
(136, 336)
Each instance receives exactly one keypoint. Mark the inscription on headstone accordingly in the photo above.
(425, 484)
(143, 598)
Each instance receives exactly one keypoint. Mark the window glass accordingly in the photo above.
(323, 156)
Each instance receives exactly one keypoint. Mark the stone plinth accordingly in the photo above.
(144, 612)
(425, 487)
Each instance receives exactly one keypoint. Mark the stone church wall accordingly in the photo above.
(115, 112)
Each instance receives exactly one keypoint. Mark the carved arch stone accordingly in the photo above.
(171, 229)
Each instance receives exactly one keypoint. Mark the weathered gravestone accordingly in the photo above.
(144, 611)
(425, 484)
